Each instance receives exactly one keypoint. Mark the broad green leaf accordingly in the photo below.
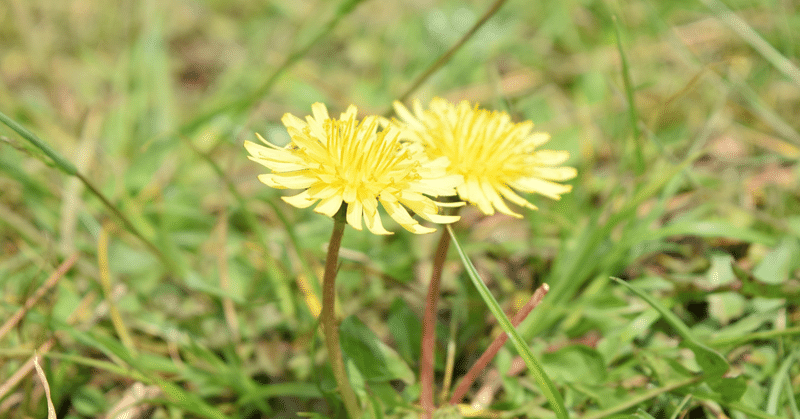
(778, 263)
(720, 272)
(713, 364)
(576, 364)
(375, 360)
(406, 329)
(188, 401)
(641, 414)
(730, 388)
(716, 228)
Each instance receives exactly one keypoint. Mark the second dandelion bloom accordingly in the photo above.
(494, 155)
(343, 160)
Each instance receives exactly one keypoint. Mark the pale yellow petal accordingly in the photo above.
(373, 220)
(513, 197)
(351, 112)
(428, 209)
(349, 194)
(549, 189)
(277, 165)
(354, 214)
(329, 206)
(399, 214)
(292, 180)
(491, 194)
(293, 122)
(301, 200)
(406, 116)
(539, 138)
(322, 190)
(320, 112)
(554, 173)
(550, 157)
(472, 192)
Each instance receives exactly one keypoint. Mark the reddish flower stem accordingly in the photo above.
(428, 350)
(499, 341)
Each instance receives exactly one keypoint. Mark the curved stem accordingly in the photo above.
(428, 350)
(330, 328)
(494, 348)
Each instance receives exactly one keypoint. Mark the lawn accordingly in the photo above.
(150, 274)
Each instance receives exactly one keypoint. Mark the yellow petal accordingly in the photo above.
(554, 173)
(539, 138)
(399, 214)
(291, 180)
(472, 192)
(490, 193)
(549, 189)
(354, 213)
(550, 157)
(320, 112)
(291, 121)
(513, 197)
(329, 206)
(301, 200)
(373, 221)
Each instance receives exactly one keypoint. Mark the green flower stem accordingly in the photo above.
(428, 350)
(330, 328)
(494, 348)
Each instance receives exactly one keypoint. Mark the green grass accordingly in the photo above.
(687, 152)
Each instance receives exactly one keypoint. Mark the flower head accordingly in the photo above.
(493, 154)
(343, 160)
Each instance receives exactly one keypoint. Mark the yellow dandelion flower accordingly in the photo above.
(343, 160)
(493, 154)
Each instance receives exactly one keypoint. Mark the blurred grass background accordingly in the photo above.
(151, 101)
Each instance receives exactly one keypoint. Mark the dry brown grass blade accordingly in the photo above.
(228, 309)
(129, 406)
(49, 283)
(26, 368)
(51, 410)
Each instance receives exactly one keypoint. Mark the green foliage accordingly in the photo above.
(128, 120)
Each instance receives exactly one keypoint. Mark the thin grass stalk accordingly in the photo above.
(479, 365)
(240, 104)
(641, 398)
(746, 32)
(330, 328)
(258, 230)
(444, 58)
(46, 286)
(534, 367)
(67, 167)
(105, 283)
(632, 112)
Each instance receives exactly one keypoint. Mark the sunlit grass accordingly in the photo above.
(195, 290)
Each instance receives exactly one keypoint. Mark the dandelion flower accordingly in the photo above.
(343, 160)
(494, 155)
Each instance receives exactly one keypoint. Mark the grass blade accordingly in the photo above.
(714, 365)
(777, 383)
(62, 163)
(545, 384)
(632, 113)
(746, 32)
